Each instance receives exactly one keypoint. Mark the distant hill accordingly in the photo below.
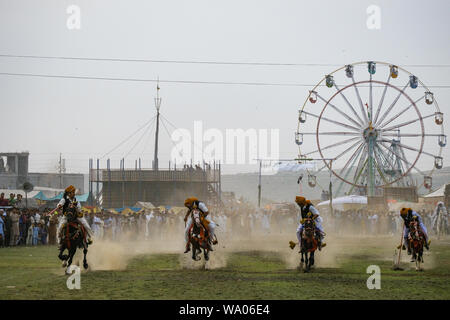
(283, 186)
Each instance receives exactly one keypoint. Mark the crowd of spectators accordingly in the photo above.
(21, 226)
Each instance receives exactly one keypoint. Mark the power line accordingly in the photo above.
(139, 129)
(247, 63)
(181, 81)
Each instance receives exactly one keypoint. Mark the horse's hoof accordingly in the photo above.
(64, 264)
(85, 265)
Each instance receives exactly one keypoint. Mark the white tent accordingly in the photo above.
(437, 193)
(347, 202)
(144, 205)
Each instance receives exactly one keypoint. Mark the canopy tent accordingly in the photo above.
(437, 193)
(90, 209)
(347, 202)
(178, 210)
(128, 210)
(144, 205)
(41, 196)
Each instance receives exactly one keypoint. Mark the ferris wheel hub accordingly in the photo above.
(370, 133)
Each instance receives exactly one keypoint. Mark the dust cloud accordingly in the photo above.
(116, 255)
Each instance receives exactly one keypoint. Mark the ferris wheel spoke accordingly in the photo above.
(371, 99)
(359, 100)
(349, 104)
(410, 148)
(336, 133)
(352, 160)
(339, 111)
(347, 168)
(341, 154)
(333, 145)
(400, 135)
(401, 112)
(361, 166)
(382, 98)
(332, 121)
(407, 123)
(384, 157)
(401, 158)
(379, 163)
(392, 105)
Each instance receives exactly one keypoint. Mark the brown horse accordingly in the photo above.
(308, 244)
(74, 236)
(199, 237)
(416, 241)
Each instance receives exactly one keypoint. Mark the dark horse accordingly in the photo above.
(73, 237)
(199, 237)
(308, 244)
(416, 240)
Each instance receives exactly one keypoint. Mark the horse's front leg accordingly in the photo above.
(85, 250)
(311, 259)
(61, 256)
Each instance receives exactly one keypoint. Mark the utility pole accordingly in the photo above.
(60, 171)
(259, 184)
(157, 105)
(330, 190)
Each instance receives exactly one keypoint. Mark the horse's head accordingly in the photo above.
(309, 226)
(196, 217)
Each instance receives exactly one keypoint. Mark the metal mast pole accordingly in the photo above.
(157, 105)
(259, 184)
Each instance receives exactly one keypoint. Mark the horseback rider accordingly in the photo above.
(194, 203)
(408, 215)
(307, 207)
(440, 210)
(70, 205)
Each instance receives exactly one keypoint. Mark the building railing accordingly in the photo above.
(117, 175)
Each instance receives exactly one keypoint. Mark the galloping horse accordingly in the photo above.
(199, 236)
(74, 236)
(416, 240)
(308, 244)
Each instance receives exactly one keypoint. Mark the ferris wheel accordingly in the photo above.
(372, 124)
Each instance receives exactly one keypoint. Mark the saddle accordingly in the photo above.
(79, 230)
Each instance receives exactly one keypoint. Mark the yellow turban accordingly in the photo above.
(300, 200)
(70, 189)
(189, 201)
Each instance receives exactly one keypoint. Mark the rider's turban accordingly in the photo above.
(189, 201)
(70, 189)
(404, 211)
(300, 200)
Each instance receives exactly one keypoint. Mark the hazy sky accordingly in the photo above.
(87, 118)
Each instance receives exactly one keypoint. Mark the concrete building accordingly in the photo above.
(14, 172)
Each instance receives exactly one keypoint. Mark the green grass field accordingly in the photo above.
(36, 273)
